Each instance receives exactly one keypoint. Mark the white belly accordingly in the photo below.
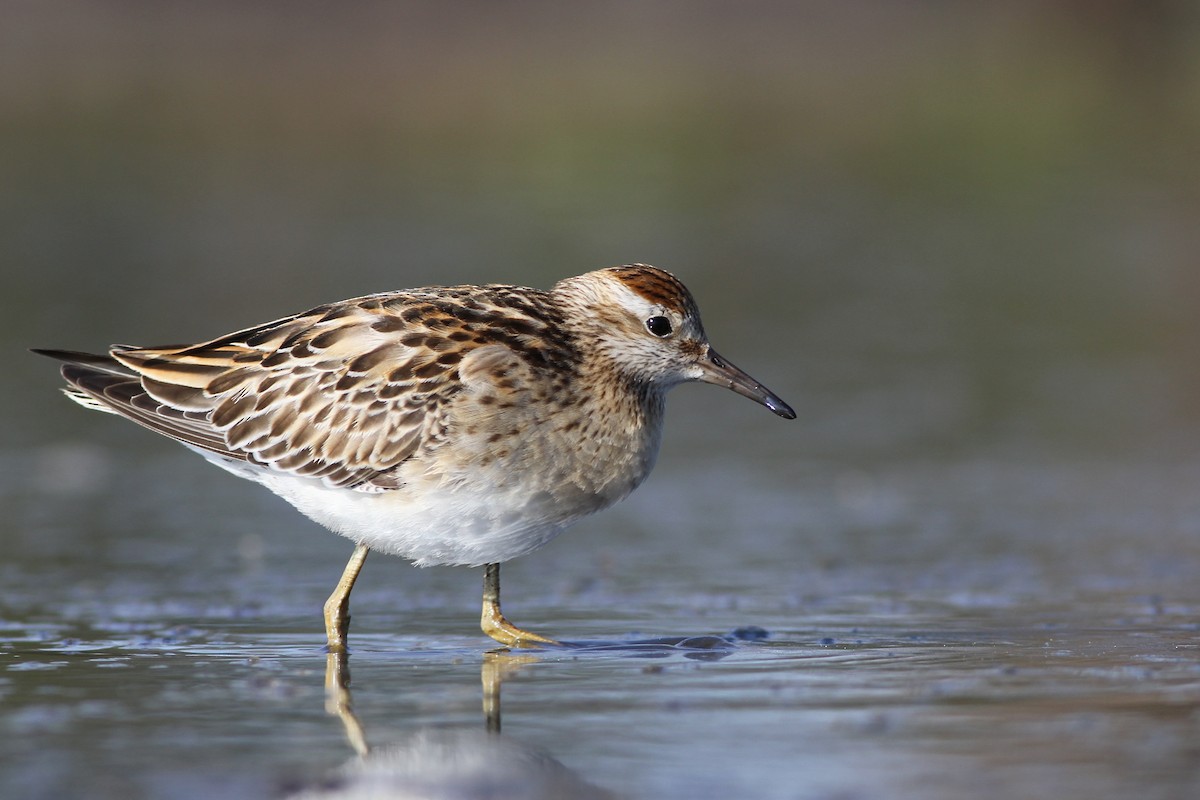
(469, 514)
(441, 527)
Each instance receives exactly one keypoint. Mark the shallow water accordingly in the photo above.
(923, 638)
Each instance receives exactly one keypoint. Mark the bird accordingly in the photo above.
(449, 425)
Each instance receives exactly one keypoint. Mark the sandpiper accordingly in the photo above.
(461, 425)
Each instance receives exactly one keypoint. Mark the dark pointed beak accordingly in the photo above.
(715, 369)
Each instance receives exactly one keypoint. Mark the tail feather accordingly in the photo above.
(102, 383)
(103, 363)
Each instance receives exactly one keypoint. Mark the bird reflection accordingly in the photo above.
(465, 764)
(338, 702)
(443, 763)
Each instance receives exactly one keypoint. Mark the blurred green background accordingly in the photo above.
(925, 224)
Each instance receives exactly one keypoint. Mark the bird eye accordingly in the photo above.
(659, 326)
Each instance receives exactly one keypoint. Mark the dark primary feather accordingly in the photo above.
(100, 381)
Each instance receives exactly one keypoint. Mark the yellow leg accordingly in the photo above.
(493, 622)
(337, 607)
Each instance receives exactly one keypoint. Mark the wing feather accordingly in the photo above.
(345, 392)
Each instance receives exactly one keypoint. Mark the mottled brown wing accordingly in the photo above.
(343, 393)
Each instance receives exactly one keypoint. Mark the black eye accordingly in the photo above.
(659, 326)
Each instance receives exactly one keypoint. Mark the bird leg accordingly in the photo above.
(337, 607)
(493, 622)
